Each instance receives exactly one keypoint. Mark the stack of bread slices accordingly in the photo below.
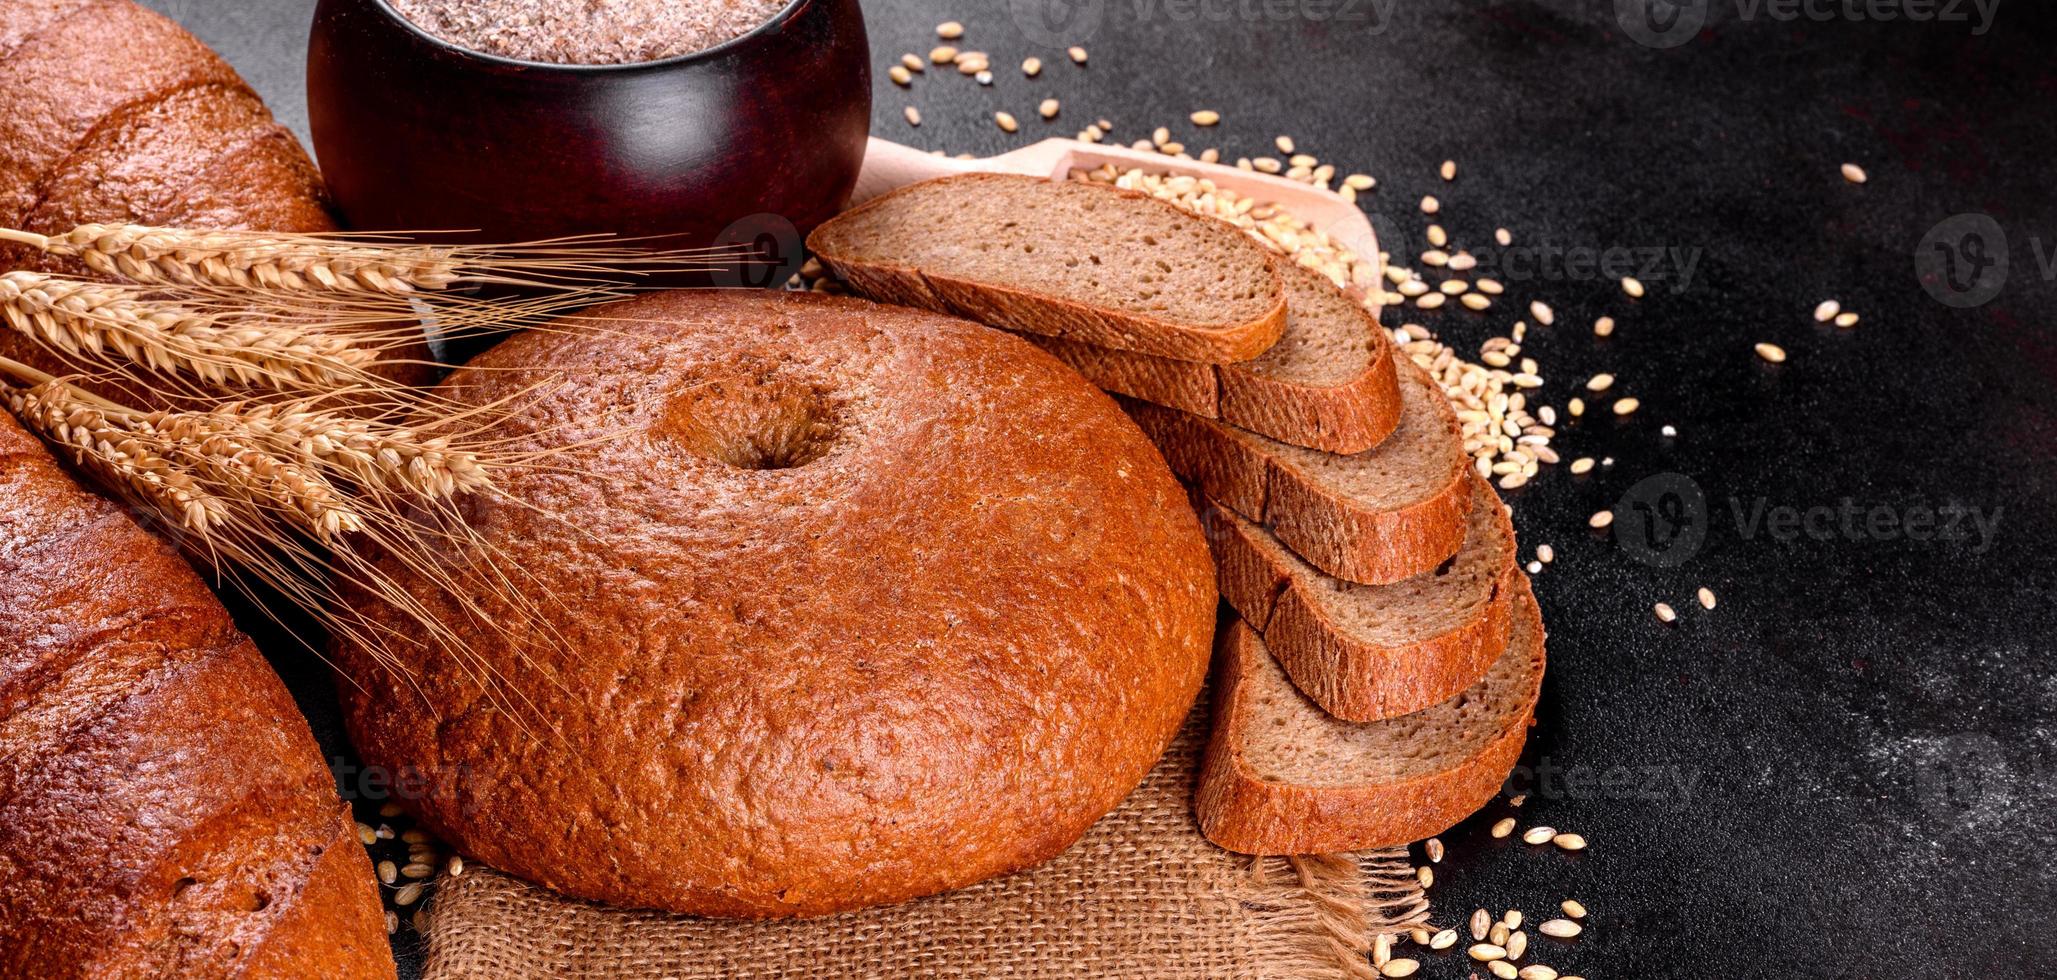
(1381, 672)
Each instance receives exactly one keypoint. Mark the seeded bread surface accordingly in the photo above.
(1282, 776)
(858, 603)
(1084, 262)
(1328, 384)
(164, 810)
(1369, 652)
(1380, 516)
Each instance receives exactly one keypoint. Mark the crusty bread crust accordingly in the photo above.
(164, 810)
(1241, 810)
(1188, 386)
(1346, 418)
(1335, 533)
(881, 278)
(1350, 677)
(936, 648)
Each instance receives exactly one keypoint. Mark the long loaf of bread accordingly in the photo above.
(164, 810)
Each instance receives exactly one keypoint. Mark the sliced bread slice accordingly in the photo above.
(1283, 776)
(1328, 384)
(1370, 652)
(1377, 517)
(1071, 259)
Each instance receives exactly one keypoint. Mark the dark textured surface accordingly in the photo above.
(1844, 771)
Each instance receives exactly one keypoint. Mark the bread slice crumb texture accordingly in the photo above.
(1291, 740)
(1418, 461)
(1066, 259)
(1326, 342)
(1328, 384)
(1404, 612)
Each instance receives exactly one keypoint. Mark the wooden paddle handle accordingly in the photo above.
(889, 166)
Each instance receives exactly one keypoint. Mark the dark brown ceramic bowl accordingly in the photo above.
(717, 146)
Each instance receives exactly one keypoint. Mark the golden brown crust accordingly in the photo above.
(163, 808)
(955, 623)
(1348, 418)
(79, 72)
(880, 278)
(1352, 678)
(1339, 535)
(1188, 386)
(27, 18)
(1241, 810)
(206, 157)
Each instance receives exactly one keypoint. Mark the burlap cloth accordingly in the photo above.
(1142, 895)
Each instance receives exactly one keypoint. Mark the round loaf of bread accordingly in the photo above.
(840, 605)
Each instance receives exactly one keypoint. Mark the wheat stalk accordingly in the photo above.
(345, 264)
(200, 466)
(93, 320)
(308, 502)
(396, 459)
(117, 459)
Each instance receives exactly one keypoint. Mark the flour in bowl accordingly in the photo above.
(588, 32)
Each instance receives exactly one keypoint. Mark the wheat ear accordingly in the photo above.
(369, 453)
(277, 262)
(118, 459)
(197, 466)
(93, 320)
(244, 478)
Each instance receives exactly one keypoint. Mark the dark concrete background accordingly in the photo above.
(1845, 770)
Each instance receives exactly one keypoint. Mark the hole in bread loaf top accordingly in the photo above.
(753, 423)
